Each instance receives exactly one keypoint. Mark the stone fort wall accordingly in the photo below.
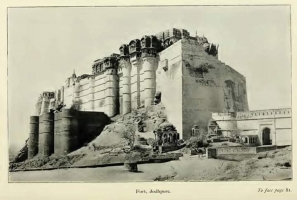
(185, 69)
(209, 85)
(63, 132)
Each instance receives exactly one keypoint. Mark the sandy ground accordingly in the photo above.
(188, 168)
(271, 165)
(147, 172)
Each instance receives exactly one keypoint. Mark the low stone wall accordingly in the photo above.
(266, 148)
(169, 148)
(236, 153)
(236, 150)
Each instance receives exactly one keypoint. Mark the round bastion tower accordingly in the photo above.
(125, 65)
(33, 137)
(135, 53)
(227, 122)
(111, 86)
(46, 134)
(65, 132)
(148, 72)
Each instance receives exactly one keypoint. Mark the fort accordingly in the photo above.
(173, 67)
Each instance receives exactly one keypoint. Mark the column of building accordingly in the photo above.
(126, 79)
(76, 99)
(62, 94)
(92, 90)
(111, 86)
(120, 93)
(134, 50)
(148, 71)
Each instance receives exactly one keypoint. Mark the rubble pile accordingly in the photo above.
(145, 120)
(22, 155)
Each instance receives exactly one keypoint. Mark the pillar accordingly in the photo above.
(46, 134)
(33, 137)
(148, 80)
(62, 94)
(135, 82)
(66, 132)
(120, 78)
(92, 82)
(148, 71)
(111, 87)
(76, 92)
(75, 101)
(135, 53)
(126, 85)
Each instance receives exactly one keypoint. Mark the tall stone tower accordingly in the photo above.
(149, 45)
(124, 72)
(194, 83)
(136, 62)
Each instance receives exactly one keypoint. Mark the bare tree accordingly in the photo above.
(129, 134)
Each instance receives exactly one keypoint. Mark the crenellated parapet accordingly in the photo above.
(171, 36)
(149, 46)
(46, 100)
(134, 49)
(110, 62)
(124, 52)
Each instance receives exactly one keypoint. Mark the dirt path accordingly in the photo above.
(148, 172)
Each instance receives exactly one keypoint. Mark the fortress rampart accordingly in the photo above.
(63, 132)
(184, 69)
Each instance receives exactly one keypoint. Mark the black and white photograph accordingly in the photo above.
(124, 94)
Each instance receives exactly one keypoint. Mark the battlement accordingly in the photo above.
(150, 45)
(101, 65)
(255, 114)
(47, 94)
(272, 113)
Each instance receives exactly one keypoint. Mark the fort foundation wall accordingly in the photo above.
(33, 137)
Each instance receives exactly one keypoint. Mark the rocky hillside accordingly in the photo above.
(144, 120)
(112, 143)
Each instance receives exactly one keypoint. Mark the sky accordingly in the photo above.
(45, 45)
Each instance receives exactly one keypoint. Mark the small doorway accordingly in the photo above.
(266, 137)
